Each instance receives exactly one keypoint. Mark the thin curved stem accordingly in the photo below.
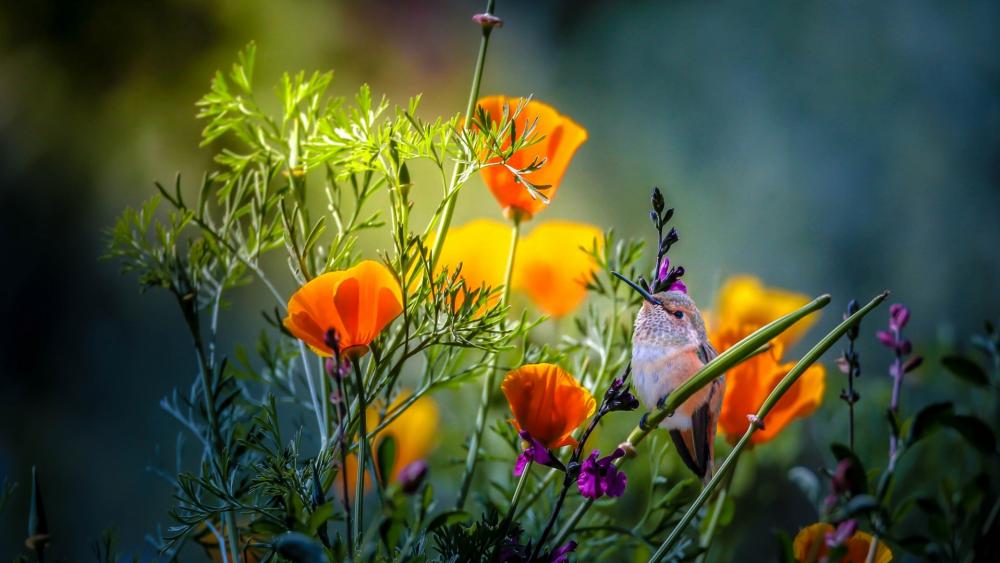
(489, 382)
(470, 107)
(359, 485)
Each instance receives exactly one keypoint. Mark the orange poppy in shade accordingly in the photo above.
(744, 306)
(481, 248)
(552, 268)
(547, 403)
(810, 544)
(210, 543)
(560, 138)
(414, 432)
(357, 302)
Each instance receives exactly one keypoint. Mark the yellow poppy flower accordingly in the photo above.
(551, 267)
(357, 302)
(811, 542)
(560, 138)
(414, 432)
(744, 305)
(547, 403)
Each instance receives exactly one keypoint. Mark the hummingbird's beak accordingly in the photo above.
(645, 294)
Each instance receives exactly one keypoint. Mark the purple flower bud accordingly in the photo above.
(841, 482)
(487, 20)
(886, 338)
(664, 269)
(332, 340)
(412, 476)
(912, 364)
(899, 315)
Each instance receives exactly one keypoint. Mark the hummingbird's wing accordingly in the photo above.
(696, 446)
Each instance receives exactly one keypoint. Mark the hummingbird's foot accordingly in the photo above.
(644, 423)
(662, 401)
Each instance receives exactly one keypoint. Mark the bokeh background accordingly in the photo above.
(840, 147)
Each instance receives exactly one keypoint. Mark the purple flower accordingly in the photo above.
(561, 553)
(412, 476)
(536, 452)
(843, 533)
(678, 286)
(599, 477)
(899, 315)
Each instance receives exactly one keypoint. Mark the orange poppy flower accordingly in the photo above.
(551, 267)
(547, 403)
(414, 431)
(811, 542)
(357, 302)
(744, 306)
(560, 138)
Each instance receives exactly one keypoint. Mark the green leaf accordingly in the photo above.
(448, 518)
(928, 419)
(321, 515)
(966, 369)
(857, 506)
(386, 457)
(975, 431)
(807, 482)
(785, 552)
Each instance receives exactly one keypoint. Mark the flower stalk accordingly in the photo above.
(470, 107)
(489, 382)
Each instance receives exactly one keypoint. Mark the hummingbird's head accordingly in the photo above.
(668, 318)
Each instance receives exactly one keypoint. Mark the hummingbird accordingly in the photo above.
(669, 345)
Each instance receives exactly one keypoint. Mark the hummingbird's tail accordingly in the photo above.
(696, 445)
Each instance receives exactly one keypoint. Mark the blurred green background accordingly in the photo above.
(840, 147)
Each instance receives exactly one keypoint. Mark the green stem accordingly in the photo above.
(517, 492)
(205, 367)
(359, 485)
(779, 391)
(488, 382)
(470, 108)
(537, 493)
(342, 413)
(705, 543)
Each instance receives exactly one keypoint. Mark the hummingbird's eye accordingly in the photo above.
(679, 314)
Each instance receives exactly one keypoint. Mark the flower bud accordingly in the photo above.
(488, 21)
(332, 340)
(412, 476)
(899, 315)
(657, 200)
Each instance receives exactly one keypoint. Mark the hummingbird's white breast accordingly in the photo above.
(657, 370)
